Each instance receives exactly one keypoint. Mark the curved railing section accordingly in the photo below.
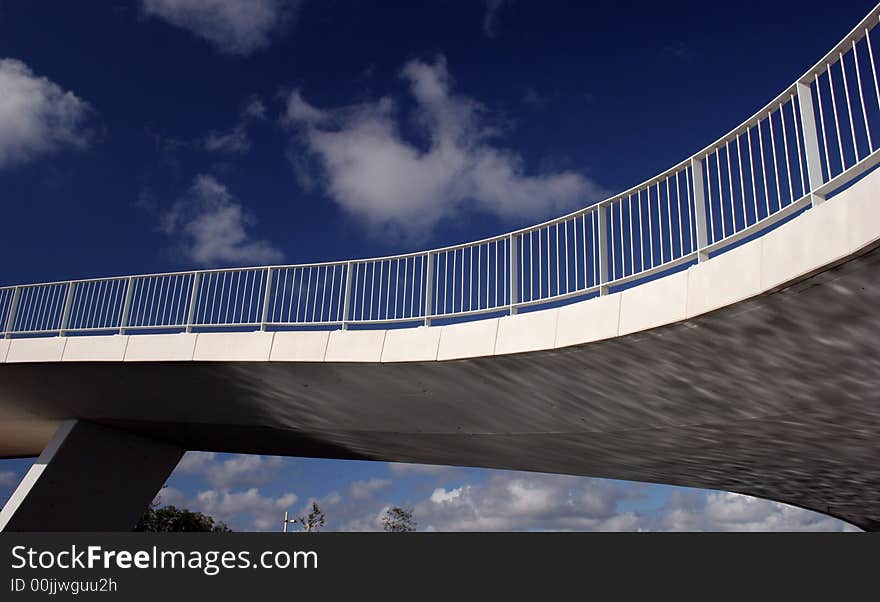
(814, 137)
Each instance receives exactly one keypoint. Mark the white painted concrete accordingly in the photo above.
(531, 331)
(468, 339)
(806, 243)
(863, 208)
(411, 344)
(109, 348)
(725, 279)
(355, 346)
(89, 478)
(591, 320)
(4, 349)
(34, 473)
(659, 302)
(303, 346)
(161, 347)
(48, 349)
(233, 346)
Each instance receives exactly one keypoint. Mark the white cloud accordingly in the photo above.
(401, 468)
(171, 496)
(723, 511)
(441, 495)
(37, 117)
(195, 462)
(247, 508)
(505, 501)
(211, 226)
(522, 502)
(254, 109)
(236, 470)
(232, 26)
(263, 511)
(8, 478)
(365, 489)
(237, 139)
(369, 521)
(371, 171)
(243, 510)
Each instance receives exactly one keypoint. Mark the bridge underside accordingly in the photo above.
(777, 397)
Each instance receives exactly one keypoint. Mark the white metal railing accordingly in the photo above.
(815, 136)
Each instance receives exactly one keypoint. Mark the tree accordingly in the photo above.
(398, 520)
(313, 521)
(174, 519)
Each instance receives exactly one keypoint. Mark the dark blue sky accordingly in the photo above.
(615, 91)
(181, 147)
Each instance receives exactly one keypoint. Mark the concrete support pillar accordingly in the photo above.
(90, 478)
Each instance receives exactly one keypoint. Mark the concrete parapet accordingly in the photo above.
(161, 347)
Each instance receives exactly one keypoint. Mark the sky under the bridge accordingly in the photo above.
(162, 135)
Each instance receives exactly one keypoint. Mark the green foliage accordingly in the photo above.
(173, 519)
(313, 521)
(398, 520)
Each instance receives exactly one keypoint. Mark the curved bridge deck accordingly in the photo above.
(775, 396)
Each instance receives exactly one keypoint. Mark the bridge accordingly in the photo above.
(715, 326)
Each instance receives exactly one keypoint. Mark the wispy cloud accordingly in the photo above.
(232, 26)
(248, 509)
(490, 17)
(237, 470)
(233, 497)
(523, 501)
(373, 172)
(365, 489)
(37, 116)
(209, 227)
(677, 52)
(535, 99)
(400, 468)
(520, 502)
(723, 511)
(8, 478)
(237, 139)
